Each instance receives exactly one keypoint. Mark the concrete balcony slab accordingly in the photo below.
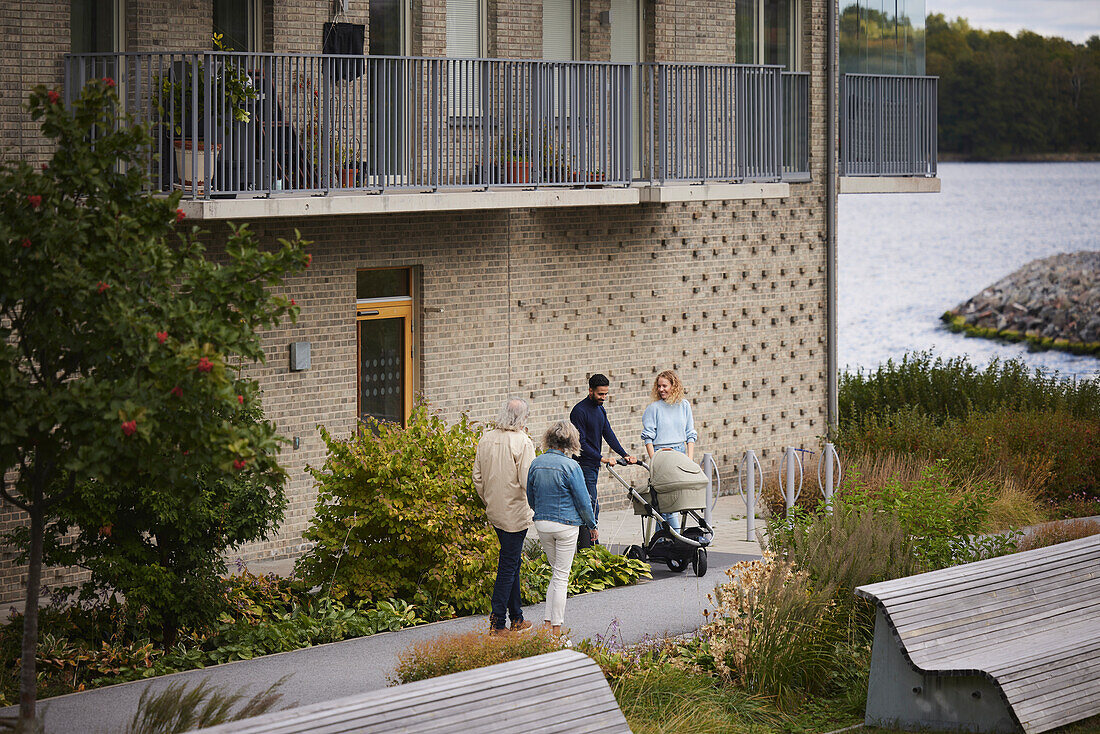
(888, 185)
(351, 203)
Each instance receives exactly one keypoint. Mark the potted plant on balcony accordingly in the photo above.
(514, 165)
(182, 106)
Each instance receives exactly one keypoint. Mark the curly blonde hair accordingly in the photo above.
(676, 394)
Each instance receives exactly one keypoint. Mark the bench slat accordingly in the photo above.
(1014, 587)
(1038, 647)
(955, 581)
(994, 630)
(978, 570)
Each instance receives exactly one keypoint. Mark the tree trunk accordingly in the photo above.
(28, 689)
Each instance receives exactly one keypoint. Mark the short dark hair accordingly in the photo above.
(598, 380)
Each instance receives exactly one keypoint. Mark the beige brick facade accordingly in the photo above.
(529, 302)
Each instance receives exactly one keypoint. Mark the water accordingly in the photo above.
(904, 259)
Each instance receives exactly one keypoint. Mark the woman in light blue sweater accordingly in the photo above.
(668, 423)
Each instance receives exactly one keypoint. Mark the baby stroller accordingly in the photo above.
(676, 485)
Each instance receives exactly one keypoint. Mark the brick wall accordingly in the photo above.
(730, 294)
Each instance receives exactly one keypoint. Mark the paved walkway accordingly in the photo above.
(669, 604)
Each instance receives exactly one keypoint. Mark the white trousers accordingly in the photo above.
(560, 543)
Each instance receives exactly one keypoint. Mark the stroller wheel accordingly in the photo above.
(699, 561)
(636, 552)
(677, 564)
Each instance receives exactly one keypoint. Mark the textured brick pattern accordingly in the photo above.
(731, 294)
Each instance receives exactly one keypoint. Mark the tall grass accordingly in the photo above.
(664, 699)
(182, 707)
(954, 388)
(458, 652)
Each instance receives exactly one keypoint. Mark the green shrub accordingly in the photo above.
(594, 569)
(954, 388)
(454, 653)
(397, 516)
(1057, 454)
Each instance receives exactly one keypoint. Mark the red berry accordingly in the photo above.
(309, 259)
(162, 336)
(109, 81)
(205, 365)
(128, 427)
(102, 287)
(53, 96)
(180, 215)
(240, 399)
(239, 464)
(177, 391)
(26, 242)
(35, 200)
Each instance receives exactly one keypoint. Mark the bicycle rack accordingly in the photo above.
(749, 463)
(829, 484)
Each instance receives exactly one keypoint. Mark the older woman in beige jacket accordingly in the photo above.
(504, 455)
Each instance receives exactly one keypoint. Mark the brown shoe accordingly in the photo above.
(522, 626)
(497, 632)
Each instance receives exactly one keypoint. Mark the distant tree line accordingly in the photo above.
(1002, 96)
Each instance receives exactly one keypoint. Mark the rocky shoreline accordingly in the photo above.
(1051, 303)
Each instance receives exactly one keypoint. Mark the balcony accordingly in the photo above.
(288, 134)
(888, 134)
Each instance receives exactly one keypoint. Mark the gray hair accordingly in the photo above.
(513, 415)
(562, 436)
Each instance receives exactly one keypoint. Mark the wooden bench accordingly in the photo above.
(1002, 645)
(561, 691)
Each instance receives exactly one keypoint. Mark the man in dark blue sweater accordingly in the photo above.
(590, 418)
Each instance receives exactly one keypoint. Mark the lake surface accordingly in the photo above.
(904, 259)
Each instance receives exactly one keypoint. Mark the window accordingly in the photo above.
(465, 40)
(882, 37)
(96, 26)
(769, 32)
(558, 35)
(385, 348)
(238, 21)
(386, 34)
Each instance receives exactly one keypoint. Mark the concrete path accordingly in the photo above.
(670, 604)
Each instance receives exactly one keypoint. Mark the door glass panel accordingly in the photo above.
(233, 20)
(382, 369)
(93, 26)
(385, 28)
(746, 31)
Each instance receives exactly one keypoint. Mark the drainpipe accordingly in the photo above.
(830, 220)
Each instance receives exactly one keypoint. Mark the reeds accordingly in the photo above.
(455, 653)
(182, 707)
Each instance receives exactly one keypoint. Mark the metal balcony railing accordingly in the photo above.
(796, 126)
(710, 122)
(228, 123)
(888, 125)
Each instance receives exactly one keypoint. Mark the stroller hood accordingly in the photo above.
(677, 481)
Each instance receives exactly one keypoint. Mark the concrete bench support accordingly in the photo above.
(560, 692)
(1004, 645)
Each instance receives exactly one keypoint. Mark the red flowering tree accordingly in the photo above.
(126, 422)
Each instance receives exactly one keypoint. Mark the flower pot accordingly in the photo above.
(517, 172)
(349, 178)
(191, 162)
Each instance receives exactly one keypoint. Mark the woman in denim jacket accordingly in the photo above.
(559, 497)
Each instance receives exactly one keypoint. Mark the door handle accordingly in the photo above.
(369, 313)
